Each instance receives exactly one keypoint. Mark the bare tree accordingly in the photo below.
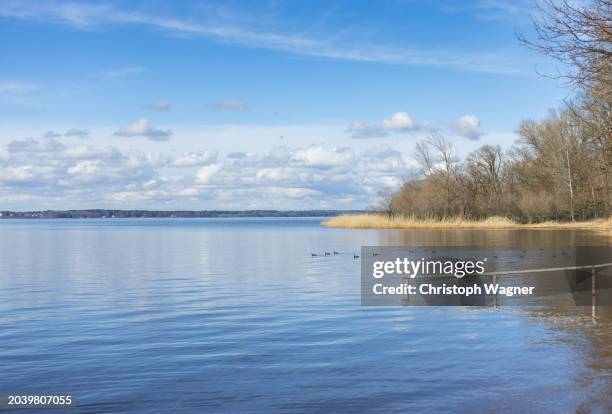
(386, 201)
(485, 168)
(436, 155)
(423, 155)
(579, 35)
(446, 168)
(594, 117)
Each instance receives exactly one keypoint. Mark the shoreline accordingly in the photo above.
(102, 213)
(378, 221)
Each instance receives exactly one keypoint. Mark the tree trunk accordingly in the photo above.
(571, 188)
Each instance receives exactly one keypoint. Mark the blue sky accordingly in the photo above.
(274, 104)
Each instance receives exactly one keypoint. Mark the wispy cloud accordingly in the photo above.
(72, 132)
(399, 122)
(160, 106)
(231, 104)
(509, 10)
(76, 132)
(89, 16)
(52, 134)
(16, 88)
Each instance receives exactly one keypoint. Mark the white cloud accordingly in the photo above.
(16, 174)
(468, 126)
(206, 174)
(293, 192)
(384, 159)
(87, 168)
(231, 104)
(89, 151)
(399, 122)
(160, 106)
(361, 130)
(193, 159)
(319, 156)
(142, 128)
(48, 172)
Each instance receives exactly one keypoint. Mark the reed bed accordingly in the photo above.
(379, 221)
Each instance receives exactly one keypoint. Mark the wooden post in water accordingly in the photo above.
(593, 294)
(495, 295)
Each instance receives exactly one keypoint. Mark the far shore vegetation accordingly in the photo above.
(557, 174)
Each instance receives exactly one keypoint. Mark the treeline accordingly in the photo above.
(561, 166)
(561, 169)
(104, 213)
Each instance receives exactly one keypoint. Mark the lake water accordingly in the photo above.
(228, 316)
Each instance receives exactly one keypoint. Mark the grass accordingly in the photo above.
(379, 221)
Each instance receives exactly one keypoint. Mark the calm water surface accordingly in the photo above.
(230, 316)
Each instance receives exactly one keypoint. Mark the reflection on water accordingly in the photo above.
(493, 238)
(592, 342)
(235, 315)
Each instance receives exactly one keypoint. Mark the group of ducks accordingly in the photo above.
(330, 253)
(356, 256)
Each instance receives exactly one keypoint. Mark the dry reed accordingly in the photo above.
(379, 221)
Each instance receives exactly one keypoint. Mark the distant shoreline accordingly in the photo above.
(109, 213)
(379, 221)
